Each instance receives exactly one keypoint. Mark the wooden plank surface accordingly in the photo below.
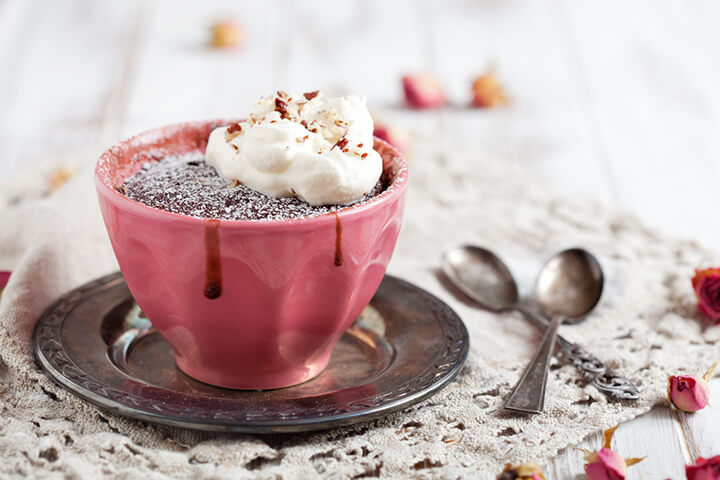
(615, 100)
(58, 64)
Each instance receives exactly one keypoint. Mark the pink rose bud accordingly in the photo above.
(423, 91)
(606, 464)
(690, 393)
(395, 136)
(526, 471)
(704, 469)
(4, 278)
(706, 284)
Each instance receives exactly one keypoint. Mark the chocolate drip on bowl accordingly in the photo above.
(213, 272)
(338, 241)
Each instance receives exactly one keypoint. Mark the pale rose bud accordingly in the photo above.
(226, 34)
(526, 471)
(59, 177)
(606, 464)
(704, 469)
(487, 92)
(423, 91)
(690, 393)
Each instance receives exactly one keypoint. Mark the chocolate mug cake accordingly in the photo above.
(252, 246)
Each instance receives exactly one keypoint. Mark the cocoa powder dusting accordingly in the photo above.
(189, 186)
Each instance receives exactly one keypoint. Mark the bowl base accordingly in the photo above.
(265, 381)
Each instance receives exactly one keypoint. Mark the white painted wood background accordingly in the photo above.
(620, 100)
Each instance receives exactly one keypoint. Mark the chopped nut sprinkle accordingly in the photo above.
(235, 127)
(341, 143)
(311, 95)
(281, 107)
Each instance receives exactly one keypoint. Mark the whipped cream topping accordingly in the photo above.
(308, 146)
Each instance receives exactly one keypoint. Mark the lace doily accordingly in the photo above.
(645, 327)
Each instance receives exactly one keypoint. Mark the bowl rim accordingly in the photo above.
(396, 189)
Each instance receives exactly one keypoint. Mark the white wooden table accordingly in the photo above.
(614, 99)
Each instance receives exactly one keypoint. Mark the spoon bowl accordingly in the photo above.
(570, 284)
(482, 276)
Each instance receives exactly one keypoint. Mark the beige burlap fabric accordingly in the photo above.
(646, 326)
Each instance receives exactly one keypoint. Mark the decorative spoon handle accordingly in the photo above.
(594, 370)
(602, 377)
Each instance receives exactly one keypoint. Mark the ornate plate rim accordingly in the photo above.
(85, 386)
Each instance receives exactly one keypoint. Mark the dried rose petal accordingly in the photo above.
(690, 393)
(226, 34)
(423, 91)
(706, 284)
(487, 92)
(395, 136)
(704, 469)
(526, 471)
(606, 464)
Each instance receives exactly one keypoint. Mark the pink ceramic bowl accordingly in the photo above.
(247, 304)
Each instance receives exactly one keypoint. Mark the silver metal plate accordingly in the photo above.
(405, 346)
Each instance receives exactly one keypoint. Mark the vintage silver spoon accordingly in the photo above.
(568, 287)
(483, 277)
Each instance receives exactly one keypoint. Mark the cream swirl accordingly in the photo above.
(309, 146)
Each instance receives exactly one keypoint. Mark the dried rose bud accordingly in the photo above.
(59, 177)
(690, 393)
(423, 91)
(704, 469)
(706, 284)
(395, 136)
(226, 34)
(526, 471)
(487, 92)
(606, 464)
